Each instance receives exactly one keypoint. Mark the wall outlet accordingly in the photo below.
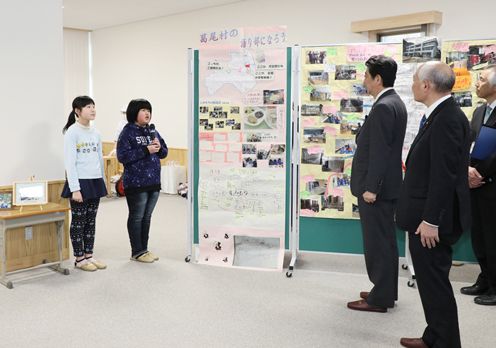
(28, 232)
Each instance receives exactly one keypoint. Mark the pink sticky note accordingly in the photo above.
(308, 122)
(307, 212)
(329, 109)
(330, 130)
(314, 150)
(308, 178)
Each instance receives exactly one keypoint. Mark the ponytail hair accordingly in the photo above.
(78, 103)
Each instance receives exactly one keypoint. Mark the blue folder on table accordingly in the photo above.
(485, 144)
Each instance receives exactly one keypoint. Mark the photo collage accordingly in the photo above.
(334, 104)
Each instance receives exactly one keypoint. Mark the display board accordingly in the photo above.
(467, 58)
(241, 130)
(334, 105)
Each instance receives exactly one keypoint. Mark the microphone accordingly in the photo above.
(153, 132)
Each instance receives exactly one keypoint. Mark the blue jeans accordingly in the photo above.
(141, 206)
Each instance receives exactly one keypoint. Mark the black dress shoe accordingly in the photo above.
(486, 300)
(474, 290)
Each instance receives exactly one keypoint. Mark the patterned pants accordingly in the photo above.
(83, 226)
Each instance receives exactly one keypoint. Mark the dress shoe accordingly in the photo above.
(413, 343)
(362, 305)
(364, 294)
(486, 300)
(474, 290)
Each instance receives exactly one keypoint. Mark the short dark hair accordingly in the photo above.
(134, 107)
(383, 66)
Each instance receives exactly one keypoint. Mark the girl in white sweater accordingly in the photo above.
(84, 184)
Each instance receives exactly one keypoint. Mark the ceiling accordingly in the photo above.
(98, 14)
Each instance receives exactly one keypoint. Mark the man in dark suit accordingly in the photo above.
(434, 204)
(482, 177)
(376, 180)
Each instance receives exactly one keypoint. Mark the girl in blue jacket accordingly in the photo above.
(139, 149)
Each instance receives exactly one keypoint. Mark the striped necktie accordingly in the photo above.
(489, 110)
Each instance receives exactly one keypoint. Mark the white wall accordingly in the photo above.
(31, 90)
(149, 58)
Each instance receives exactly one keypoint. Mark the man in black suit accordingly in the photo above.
(434, 204)
(482, 177)
(376, 180)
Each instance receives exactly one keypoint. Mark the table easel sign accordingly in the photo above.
(33, 192)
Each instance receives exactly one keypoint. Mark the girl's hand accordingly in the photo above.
(77, 197)
(153, 148)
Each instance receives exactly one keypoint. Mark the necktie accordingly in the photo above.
(488, 113)
(422, 122)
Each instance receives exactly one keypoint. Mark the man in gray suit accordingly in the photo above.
(376, 180)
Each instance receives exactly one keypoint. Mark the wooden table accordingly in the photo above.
(110, 165)
(29, 216)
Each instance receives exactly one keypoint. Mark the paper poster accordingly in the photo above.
(334, 104)
(242, 139)
(467, 59)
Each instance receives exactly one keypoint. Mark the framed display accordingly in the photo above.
(30, 192)
(5, 200)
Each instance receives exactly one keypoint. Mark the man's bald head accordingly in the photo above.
(439, 74)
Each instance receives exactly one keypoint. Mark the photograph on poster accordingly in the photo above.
(253, 138)
(333, 164)
(345, 146)
(351, 105)
(257, 252)
(481, 54)
(234, 109)
(249, 149)
(219, 124)
(354, 211)
(236, 126)
(276, 162)
(421, 49)
(340, 180)
(230, 122)
(311, 109)
(218, 114)
(203, 109)
(316, 57)
(316, 187)
(250, 162)
(209, 126)
(262, 154)
(273, 97)
(277, 149)
(318, 77)
(345, 72)
(320, 93)
(463, 99)
(260, 117)
(457, 59)
(311, 158)
(350, 128)
(314, 135)
(310, 204)
(333, 202)
(203, 122)
(332, 118)
(359, 90)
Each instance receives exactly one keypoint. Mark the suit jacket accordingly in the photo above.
(377, 161)
(487, 167)
(435, 188)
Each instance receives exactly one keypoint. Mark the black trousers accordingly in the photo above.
(484, 235)
(381, 250)
(432, 267)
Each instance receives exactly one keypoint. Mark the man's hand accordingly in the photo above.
(474, 178)
(369, 197)
(429, 235)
